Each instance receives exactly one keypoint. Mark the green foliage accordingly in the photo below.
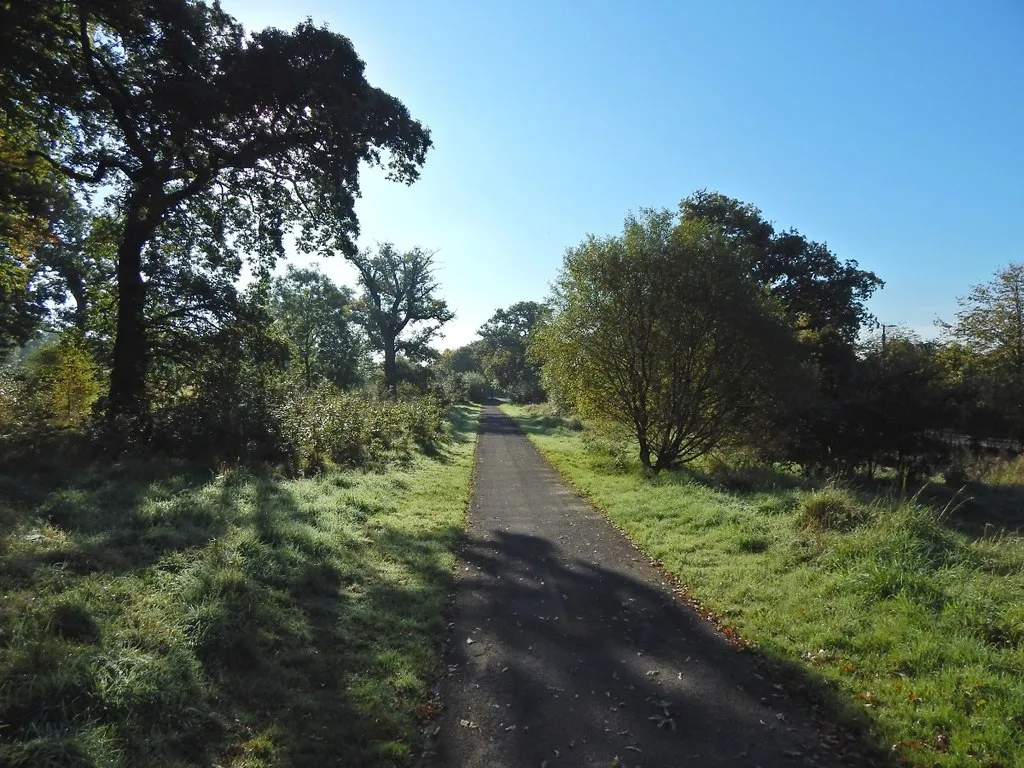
(503, 351)
(456, 370)
(822, 296)
(214, 394)
(156, 614)
(17, 408)
(824, 301)
(314, 315)
(64, 380)
(478, 387)
(28, 188)
(990, 324)
(660, 333)
(450, 387)
(324, 427)
(399, 307)
(906, 627)
(896, 406)
(196, 129)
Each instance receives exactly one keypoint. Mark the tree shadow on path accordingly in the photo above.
(581, 664)
(567, 650)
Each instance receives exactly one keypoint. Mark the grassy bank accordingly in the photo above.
(158, 614)
(914, 616)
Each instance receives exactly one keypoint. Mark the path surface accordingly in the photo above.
(569, 650)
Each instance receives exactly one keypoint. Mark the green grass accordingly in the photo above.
(916, 624)
(154, 613)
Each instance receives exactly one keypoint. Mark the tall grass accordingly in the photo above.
(1000, 471)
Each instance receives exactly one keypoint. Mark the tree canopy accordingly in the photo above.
(824, 301)
(990, 324)
(192, 126)
(503, 351)
(315, 316)
(399, 307)
(661, 332)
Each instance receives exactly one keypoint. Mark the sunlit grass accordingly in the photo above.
(914, 622)
(158, 614)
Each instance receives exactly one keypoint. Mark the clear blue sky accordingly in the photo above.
(893, 130)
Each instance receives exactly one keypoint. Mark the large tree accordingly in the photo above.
(661, 332)
(315, 316)
(188, 122)
(399, 308)
(823, 296)
(503, 348)
(824, 300)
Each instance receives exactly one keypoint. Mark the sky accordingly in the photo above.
(892, 130)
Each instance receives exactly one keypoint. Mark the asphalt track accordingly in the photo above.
(569, 648)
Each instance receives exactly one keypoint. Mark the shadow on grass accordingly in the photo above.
(155, 614)
(976, 509)
(462, 419)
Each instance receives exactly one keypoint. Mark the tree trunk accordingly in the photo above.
(645, 456)
(390, 365)
(130, 360)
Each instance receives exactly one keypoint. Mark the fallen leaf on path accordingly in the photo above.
(663, 722)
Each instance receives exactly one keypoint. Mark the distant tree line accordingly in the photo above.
(498, 364)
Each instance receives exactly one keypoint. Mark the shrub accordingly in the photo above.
(16, 411)
(450, 388)
(65, 381)
(478, 388)
(830, 509)
(324, 426)
(424, 420)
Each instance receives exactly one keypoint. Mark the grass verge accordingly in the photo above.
(914, 622)
(153, 613)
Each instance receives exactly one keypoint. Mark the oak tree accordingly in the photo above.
(187, 122)
(399, 307)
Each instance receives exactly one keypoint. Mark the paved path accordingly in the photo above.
(569, 650)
